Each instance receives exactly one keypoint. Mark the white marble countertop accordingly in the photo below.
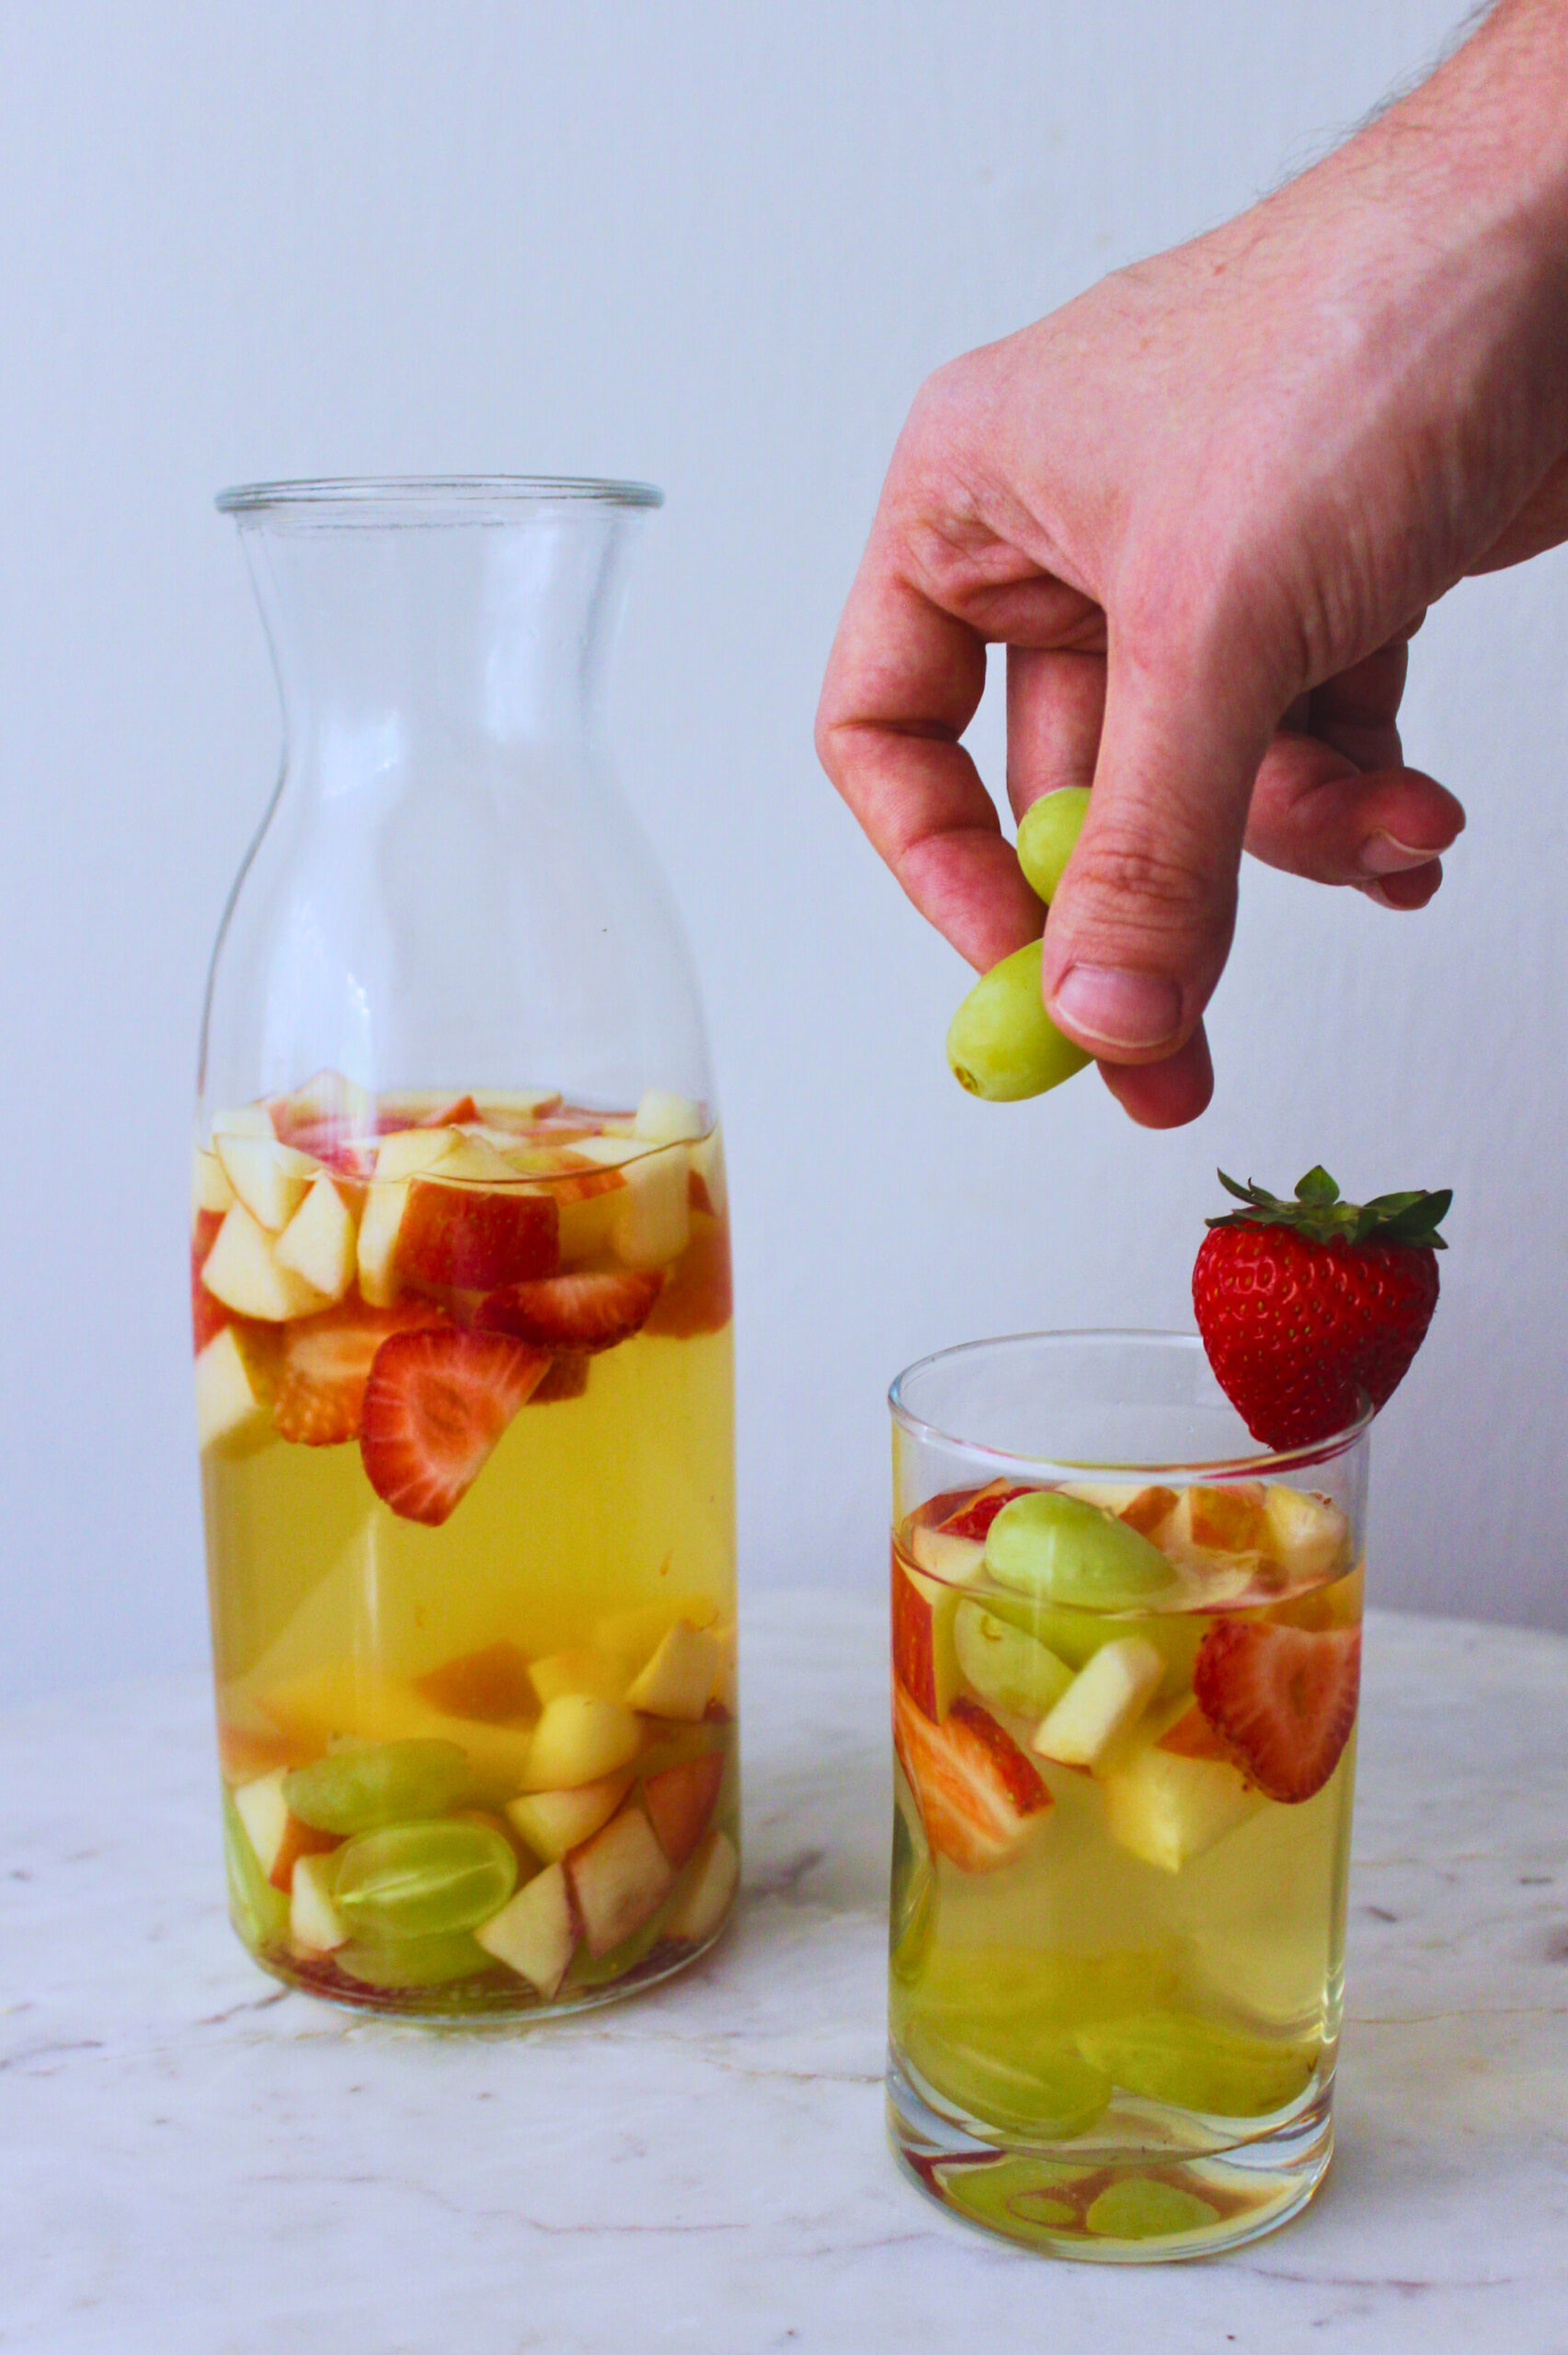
(194, 2161)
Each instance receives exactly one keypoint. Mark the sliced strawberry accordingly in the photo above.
(476, 1238)
(326, 1363)
(975, 1516)
(582, 1312)
(208, 1316)
(435, 1406)
(567, 1378)
(1281, 1699)
(979, 1795)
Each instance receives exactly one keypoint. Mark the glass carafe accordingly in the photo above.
(461, 1280)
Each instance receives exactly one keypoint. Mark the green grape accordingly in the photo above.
(1047, 832)
(407, 1880)
(1008, 1668)
(1002, 1044)
(1023, 2085)
(1199, 2064)
(414, 1962)
(1010, 2194)
(1142, 2207)
(259, 1912)
(1064, 1550)
(1076, 1636)
(389, 1782)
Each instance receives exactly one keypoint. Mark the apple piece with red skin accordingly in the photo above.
(979, 1799)
(680, 1801)
(453, 1237)
(619, 1879)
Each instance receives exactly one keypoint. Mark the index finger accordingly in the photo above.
(904, 681)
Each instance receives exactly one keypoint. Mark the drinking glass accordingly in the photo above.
(459, 1266)
(1126, 1654)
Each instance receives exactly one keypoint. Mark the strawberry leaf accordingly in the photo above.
(1411, 1219)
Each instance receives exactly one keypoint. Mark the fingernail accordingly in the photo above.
(1385, 854)
(1124, 1009)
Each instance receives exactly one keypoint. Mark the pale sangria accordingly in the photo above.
(463, 1381)
(1124, 1725)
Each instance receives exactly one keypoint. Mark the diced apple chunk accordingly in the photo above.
(319, 1241)
(578, 1738)
(704, 1897)
(535, 1934)
(409, 1153)
(679, 1801)
(619, 1879)
(315, 1921)
(274, 1833)
(653, 1220)
(1308, 1536)
(209, 1190)
(242, 1120)
(946, 1556)
(678, 1679)
(376, 1245)
(664, 1118)
(242, 1271)
(233, 1396)
(1104, 1703)
(269, 1179)
(555, 1823)
(707, 1163)
(474, 1161)
(1167, 1808)
(604, 1675)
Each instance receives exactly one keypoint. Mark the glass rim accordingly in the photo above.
(1253, 1466)
(431, 498)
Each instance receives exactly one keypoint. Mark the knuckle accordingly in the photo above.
(1152, 888)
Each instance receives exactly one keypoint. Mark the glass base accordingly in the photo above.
(478, 2003)
(1161, 2190)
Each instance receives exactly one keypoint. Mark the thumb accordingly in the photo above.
(1140, 924)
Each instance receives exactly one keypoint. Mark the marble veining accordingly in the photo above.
(194, 2161)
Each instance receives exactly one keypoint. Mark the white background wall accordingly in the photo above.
(719, 246)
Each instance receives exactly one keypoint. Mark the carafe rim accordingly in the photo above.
(457, 498)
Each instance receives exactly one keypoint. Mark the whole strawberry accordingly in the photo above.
(1304, 1306)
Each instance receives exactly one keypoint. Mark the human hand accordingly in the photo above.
(1204, 507)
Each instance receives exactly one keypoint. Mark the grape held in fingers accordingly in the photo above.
(1002, 1044)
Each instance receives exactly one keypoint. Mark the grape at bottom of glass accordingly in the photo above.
(1127, 1656)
